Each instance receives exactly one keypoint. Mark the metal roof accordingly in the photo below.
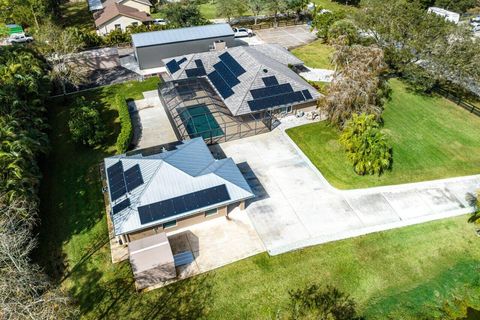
(145, 39)
(189, 168)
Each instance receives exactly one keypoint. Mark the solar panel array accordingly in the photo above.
(226, 73)
(270, 81)
(121, 181)
(199, 71)
(276, 95)
(116, 181)
(120, 206)
(178, 205)
(174, 65)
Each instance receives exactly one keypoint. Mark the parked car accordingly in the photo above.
(476, 29)
(160, 21)
(475, 20)
(242, 32)
(20, 38)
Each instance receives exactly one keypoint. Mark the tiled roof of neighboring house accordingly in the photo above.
(146, 2)
(112, 9)
(256, 68)
(190, 168)
(215, 30)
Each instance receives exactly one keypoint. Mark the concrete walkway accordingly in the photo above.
(313, 74)
(297, 207)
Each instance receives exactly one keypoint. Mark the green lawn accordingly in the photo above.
(76, 14)
(399, 272)
(432, 138)
(315, 55)
(334, 6)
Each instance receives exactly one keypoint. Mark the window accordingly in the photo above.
(211, 212)
(134, 24)
(170, 224)
(118, 27)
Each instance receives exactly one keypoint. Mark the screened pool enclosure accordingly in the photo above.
(195, 110)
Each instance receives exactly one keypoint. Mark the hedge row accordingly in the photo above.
(126, 129)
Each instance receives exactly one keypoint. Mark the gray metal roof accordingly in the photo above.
(257, 66)
(189, 168)
(145, 39)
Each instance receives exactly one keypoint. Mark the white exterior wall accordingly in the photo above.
(121, 20)
(139, 6)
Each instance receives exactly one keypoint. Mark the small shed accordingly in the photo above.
(152, 260)
(151, 47)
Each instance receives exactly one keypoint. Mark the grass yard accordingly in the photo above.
(333, 6)
(315, 55)
(76, 14)
(398, 273)
(432, 138)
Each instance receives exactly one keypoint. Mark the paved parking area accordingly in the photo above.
(296, 207)
(151, 126)
(288, 37)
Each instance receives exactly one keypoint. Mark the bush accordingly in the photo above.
(315, 302)
(126, 129)
(344, 31)
(85, 123)
(366, 146)
(117, 37)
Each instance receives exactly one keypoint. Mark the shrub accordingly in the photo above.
(343, 31)
(366, 146)
(85, 123)
(126, 129)
(315, 302)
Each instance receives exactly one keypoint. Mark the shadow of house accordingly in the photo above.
(254, 183)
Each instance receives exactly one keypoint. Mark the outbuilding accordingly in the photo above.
(151, 47)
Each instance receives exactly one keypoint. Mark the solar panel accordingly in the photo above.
(178, 205)
(116, 181)
(172, 66)
(226, 74)
(220, 84)
(196, 72)
(271, 91)
(270, 81)
(199, 63)
(232, 64)
(181, 61)
(274, 101)
(307, 95)
(122, 205)
(133, 177)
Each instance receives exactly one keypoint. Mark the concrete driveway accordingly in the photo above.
(296, 207)
(288, 37)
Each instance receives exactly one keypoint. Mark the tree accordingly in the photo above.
(256, 6)
(366, 146)
(297, 6)
(315, 302)
(344, 31)
(358, 85)
(85, 123)
(59, 46)
(226, 8)
(460, 6)
(183, 15)
(322, 22)
(274, 7)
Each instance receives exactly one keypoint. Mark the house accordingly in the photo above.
(118, 15)
(233, 93)
(151, 47)
(171, 189)
(141, 5)
(448, 15)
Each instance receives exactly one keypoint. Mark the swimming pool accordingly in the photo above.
(199, 121)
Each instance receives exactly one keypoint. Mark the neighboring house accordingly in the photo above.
(171, 189)
(448, 15)
(121, 14)
(141, 5)
(151, 47)
(233, 93)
